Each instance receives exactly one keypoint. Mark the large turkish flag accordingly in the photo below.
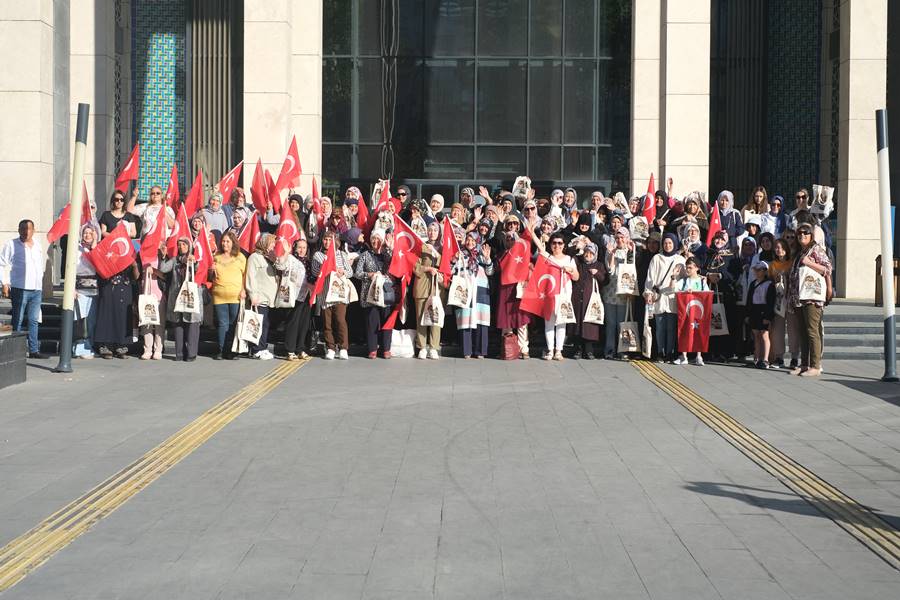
(694, 312)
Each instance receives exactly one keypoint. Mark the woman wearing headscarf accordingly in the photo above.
(591, 270)
(774, 221)
(664, 212)
(474, 261)
(731, 220)
(722, 269)
(811, 255)
(375, 259)
(294, 267)
(570, 206)
(666, 268)
(229, 267)
(215, 217)
(741, 336)
(428, 281)
(262, 286)
(621, 251)
(691, 244)
(86, 291)
(511, 320)
(238, 204)
(692, 214)
(436, 207)
(186, 325)
(334, 314)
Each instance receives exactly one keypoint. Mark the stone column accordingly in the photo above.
(684, 95)
(306, 95)
(863, 84)
(26, 94)
(645, 93)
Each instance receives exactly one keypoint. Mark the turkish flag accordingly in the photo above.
(227, 184)
(649, 210)
(249, 235)
(258, 188)
(515, 263)
(203, 257)
(449, 248)
(362, 214)
(194, 201)
(715, 224)
(173, 194)
(272, 194)
(130, 171)
(315, 189)
(694, 313)
(182, 229)
(61, 226)
(407, 249)
(113, 253)
(539, 297)
(290, 169)
(152, 239)
(288, 231)
(392, 318)
(328, 267)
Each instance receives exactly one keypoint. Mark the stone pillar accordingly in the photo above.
(306, 91)
(26, 94)
(684, 95)
(645, 93)
(268, 47)
(863, 84)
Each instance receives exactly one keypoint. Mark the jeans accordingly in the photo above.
(26, 304)
(615, 314)
(375, 336)
(666, 334)
(226, 318)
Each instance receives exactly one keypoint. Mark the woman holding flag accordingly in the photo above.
(555, 333)
(428, 281)
(515, 265)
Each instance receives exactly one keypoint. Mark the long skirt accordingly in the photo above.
(114, 312)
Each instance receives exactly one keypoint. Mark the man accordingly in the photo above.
(21, 275)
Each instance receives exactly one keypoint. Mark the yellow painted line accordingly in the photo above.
(32, 549)
(860, 522)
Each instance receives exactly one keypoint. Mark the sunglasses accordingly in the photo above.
(800, 196)
(402, 194)
(804, 233)
(527, 208)
(556, 243)
(118, 199)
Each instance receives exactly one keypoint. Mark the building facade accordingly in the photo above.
(443, 94)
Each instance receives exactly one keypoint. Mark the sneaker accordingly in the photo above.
(681, 360)
(433, 354)
(795, 363)
(557, 355)
(342, 354)
(589, 356)
(698, 361)
(547, 355)
(329, 354)
(778, 364)
(577, 355)
(85, 356)
(263, 355)
(423, 354)
(38, 355)
(104, 352)
(763, 364)
(218, 356)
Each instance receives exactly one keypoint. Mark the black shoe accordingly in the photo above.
(191, 359)
(795, 363)
(38, 355)
(234, 357)
(218, 356)
(577, 355)
(589, 356)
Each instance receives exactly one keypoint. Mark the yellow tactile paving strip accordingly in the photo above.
(30, 550)
(856, 519)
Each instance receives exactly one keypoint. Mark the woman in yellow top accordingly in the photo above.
(227, 290)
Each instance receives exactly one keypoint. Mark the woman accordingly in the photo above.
(154, 336)
(375, 259)
(722, 269)
(590, 271)
(86, 291)
(294, 267)
(427, 282)
(741, 336)
(692, 214)
(511, 320)
(334, 314)
(149, 212)
(691, 246)
(774, 221)
(262, 285)
(114, 312)
(237, 205)
(757, 205)
(619, 252)
(666, 269)
(229, 267)
(555, 333)
(472, 322)
(730, 219)
(766, 248)
(185, 324)
(110, 219)
(813, 256)
(664, 212)
(779, 269)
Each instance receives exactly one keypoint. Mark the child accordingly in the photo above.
(761, 311)
(692, 281)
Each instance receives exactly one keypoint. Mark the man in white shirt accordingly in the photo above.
(21, 275)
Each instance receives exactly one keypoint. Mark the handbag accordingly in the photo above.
(718, 323)
(629, 340)
(780, 298)
(626, 282)
(433, 310)
(188, 300)
(287, 293)
(375, 293)
(238, 345)
(459, 292)
(812, 285)
(563, 310)
(251, 326)
(595, 313)
(639, 228)
(402, 343)
(338, 290)
(510, 348)
(148, 305)
(388, 292)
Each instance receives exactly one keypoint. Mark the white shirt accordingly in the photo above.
(20, 266)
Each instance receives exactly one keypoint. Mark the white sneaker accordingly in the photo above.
(433, 354)
(342, 354)
(547, 355)
(263, 355)
(699, 361)
(681, 360)
(329, 354)
(422, 355)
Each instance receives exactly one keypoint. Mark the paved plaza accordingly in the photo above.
(409, 479)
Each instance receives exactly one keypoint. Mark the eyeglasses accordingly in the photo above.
(556, 243)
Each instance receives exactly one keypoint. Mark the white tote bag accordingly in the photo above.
(375, 295)
(239, 346)
(812, 285)
(433, 311)
(718, 324)
(594, 313)
(148, 306)
(780, 298)
(402, 345)
(251, 326)
(338, 290)
(626, 282)
(460, 291)
(188, 300)
(288, 291)
(564, 311)
(629, 338)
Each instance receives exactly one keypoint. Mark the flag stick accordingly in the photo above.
(75, 199)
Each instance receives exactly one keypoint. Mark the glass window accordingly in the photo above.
(544, 162)
(450, 100)
(502, 27)
(578, 163)
(578, 97)
(336, 162)
(449, 162)
(369, 159)
(500, 162)
(545, 114)
(546, 27)
(580, 21)
(369, 16)
(447, 191)
(369, 100)
(336, 93)
(449, 27)
(411, 27)
(501, 101)
(336, 16)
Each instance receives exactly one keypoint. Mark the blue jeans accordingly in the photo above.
(666, 334)
(226, 317)
(26, 304)
(615, 314)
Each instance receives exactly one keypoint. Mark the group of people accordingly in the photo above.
(753, 262)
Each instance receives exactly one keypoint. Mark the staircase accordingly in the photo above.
(854, 329)
(51, 313)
